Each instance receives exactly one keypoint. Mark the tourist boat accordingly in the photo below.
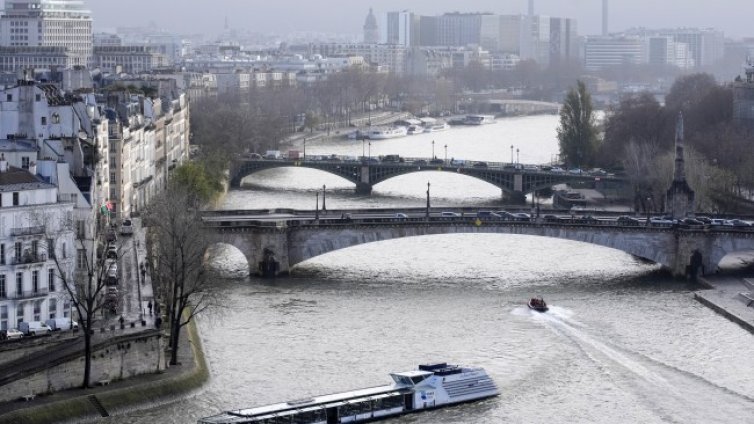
(386, 133)
(431, 386)
(538, 304)
(437, 126)
(479, 119)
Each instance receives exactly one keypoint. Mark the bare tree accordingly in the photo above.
(178, 247)
(86, 287)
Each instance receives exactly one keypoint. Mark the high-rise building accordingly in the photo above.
(371, 29)
(460, 29)
(49, 23)
(707, 46)
(563, 40)
(743, 98)
(601, 52)
(535, 39)
(664, 50)
(403, 28)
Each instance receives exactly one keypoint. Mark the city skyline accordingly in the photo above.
(285, 17)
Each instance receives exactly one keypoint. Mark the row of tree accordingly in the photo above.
(638, 138)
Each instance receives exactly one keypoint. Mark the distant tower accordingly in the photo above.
(531, 7)
(604, 17)
(680, 197)
(371, 30)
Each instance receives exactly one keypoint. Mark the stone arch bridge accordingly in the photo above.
(515, 180)
(291, 240)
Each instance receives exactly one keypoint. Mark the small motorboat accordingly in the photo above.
(538, 304)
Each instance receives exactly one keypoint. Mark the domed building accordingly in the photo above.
(371, 29)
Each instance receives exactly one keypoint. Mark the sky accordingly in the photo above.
(347, 16)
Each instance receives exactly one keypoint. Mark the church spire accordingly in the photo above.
(680, 165)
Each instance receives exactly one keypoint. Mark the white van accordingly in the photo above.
(62, 324)
(34, 328)
(126, 227)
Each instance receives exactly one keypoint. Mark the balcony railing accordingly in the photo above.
(29, 259)
(28, 231)
(33, 294)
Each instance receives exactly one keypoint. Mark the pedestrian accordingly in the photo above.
(149, 305)
(158, 322)
(121, 320)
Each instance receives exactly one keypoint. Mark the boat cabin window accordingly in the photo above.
(388, 402)
(402, 380)
(308, 417)
(418, 379)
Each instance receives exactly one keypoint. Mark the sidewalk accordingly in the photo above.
(727, 296)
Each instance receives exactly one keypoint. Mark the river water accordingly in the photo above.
(622, 342)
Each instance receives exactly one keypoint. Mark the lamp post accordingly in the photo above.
(433, 149)
(427, 200)
(370, 151)
(649, 199)
(316, 207)
(511, 153)
(517, 161)
(304, 150)
(446, 154)
(363, 143)
(324, 208)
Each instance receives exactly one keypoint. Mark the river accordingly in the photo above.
(623, 343)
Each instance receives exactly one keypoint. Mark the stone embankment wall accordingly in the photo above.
(116, 359)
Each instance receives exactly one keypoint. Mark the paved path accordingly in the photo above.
(728, 296)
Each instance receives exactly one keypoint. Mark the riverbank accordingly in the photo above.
(730, 296)
(118, 397)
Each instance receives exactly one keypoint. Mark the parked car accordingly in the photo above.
(400, 215)
(126, 227)
(488, 214)
(112, 252)
(522, 216)
(717, 221)
(420, 162)
(627, 220)
(110, 235)
(62, 324)
(557, 170)
(506, 215)
(692, 222)
(480, 164)
(10, 334)
(551, 218)
(448, 214)
(587, 219)
(737, 223)
(436, 161)
(656, 220)
(34, 328)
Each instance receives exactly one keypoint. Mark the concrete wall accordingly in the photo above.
(120, 358)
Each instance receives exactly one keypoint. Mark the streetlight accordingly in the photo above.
(446, 154)
(324, 208)
(433, 149)
(363, 140)
(427, 199)
(517, 161)
(370, 151)
(304, 150)
(511, 153)
(316, 207)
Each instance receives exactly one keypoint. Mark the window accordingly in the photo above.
(19, 283)
(19, 315)
(53, 308)
(37, 311)
(38, 97)
(44, 120)
(35, 281)
(81, 259)
(3, 317)
(65, 253)
(81, 229)
(55, 118)
(2, 254)
(15, 199)
(66, 309)
(51, 280)
(9, 97)
(35, 248)
(51, 248)
(25, 162)
(3, 289)
(17, 251)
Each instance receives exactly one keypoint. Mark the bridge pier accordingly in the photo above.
(363, 188)
(513, 197)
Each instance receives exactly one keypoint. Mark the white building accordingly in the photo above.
(49, 23)
(602, 52)
(34, 230)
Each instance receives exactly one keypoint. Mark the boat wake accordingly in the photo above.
(674, 394)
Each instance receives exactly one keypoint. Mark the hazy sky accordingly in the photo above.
(735, 17)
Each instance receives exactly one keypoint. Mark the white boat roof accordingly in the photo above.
(428, 120)
(413, 121)
(416, 373)
(299, 404)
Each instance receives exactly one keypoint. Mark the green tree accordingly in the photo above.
(195, 178)
(577, 134)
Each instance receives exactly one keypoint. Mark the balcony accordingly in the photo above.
(29, 259)
(42, 292)
(28, 231)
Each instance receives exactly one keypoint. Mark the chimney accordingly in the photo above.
(604, 17)
(3, 163)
